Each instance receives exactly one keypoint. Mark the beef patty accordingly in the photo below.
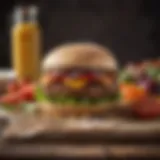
(99, 84)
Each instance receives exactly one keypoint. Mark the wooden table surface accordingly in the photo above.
(117, 139)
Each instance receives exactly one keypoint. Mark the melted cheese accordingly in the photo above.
(75, 83)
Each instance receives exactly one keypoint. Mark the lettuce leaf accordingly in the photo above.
(41, 97)
(125, 77)
(153, 72)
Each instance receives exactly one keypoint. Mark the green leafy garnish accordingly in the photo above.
(125, 77)
(41, 97)
(153, 72)
(9, 107)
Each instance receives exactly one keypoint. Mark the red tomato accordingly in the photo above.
(27, 92)
(89, 76)
(147, 108)
(58, 78)
(10, 99)
(24, 94)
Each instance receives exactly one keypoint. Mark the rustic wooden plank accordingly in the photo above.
(81, 140)
(101, 151)
(28, 126)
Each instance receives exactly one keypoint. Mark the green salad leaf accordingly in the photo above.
(153, 72)
(125, 77)
(41, 97)
(8, 107)
(39, 94)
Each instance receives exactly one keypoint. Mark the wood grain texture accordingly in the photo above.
(117, 151)
(28, 125)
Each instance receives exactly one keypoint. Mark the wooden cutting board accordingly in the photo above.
(117, 137)
(26, 125)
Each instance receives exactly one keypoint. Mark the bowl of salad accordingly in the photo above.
(140, 87)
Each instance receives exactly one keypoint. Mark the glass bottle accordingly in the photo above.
(26, 43)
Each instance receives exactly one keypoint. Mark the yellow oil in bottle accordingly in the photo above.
(26, 43)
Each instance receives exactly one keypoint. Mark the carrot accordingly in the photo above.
(132, 92)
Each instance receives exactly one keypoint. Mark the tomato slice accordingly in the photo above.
(27, 92)
(88, 76)
(10, 99)
(147, 108)
(59, 78)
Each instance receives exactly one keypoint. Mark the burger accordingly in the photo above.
(78, 79)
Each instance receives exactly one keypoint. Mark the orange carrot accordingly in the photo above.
(132, 92)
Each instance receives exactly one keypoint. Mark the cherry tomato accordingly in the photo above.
(147, 108)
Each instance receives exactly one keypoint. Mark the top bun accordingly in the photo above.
(83, 55)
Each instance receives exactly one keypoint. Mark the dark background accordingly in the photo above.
(131, 28)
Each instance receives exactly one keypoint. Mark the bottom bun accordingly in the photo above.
(79, 110)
